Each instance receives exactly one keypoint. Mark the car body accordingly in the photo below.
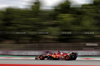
(58, 56)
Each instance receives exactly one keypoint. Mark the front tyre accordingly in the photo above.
(41, 57)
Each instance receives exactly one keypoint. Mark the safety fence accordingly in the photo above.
(32, 53)
(51, 46)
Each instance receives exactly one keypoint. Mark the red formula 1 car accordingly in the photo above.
(57, 56)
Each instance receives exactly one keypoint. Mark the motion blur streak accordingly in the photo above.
(41, 65)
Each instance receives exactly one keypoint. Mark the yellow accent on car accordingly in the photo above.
(54, 56)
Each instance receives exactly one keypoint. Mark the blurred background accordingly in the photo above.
(49, 25)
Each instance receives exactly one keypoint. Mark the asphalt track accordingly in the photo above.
(50, 62)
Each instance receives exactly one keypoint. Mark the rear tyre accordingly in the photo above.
(41, 57)
(73, 56)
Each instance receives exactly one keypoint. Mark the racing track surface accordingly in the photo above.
(51, 62)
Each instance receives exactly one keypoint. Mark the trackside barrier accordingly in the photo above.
(31, 53)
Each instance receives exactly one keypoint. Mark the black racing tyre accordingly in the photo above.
(41, 57)
(67, 57)
(73, 56)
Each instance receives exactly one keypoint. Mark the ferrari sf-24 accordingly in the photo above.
(57, 56)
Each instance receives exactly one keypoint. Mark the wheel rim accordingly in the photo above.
(41, 57)
(67, 57)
